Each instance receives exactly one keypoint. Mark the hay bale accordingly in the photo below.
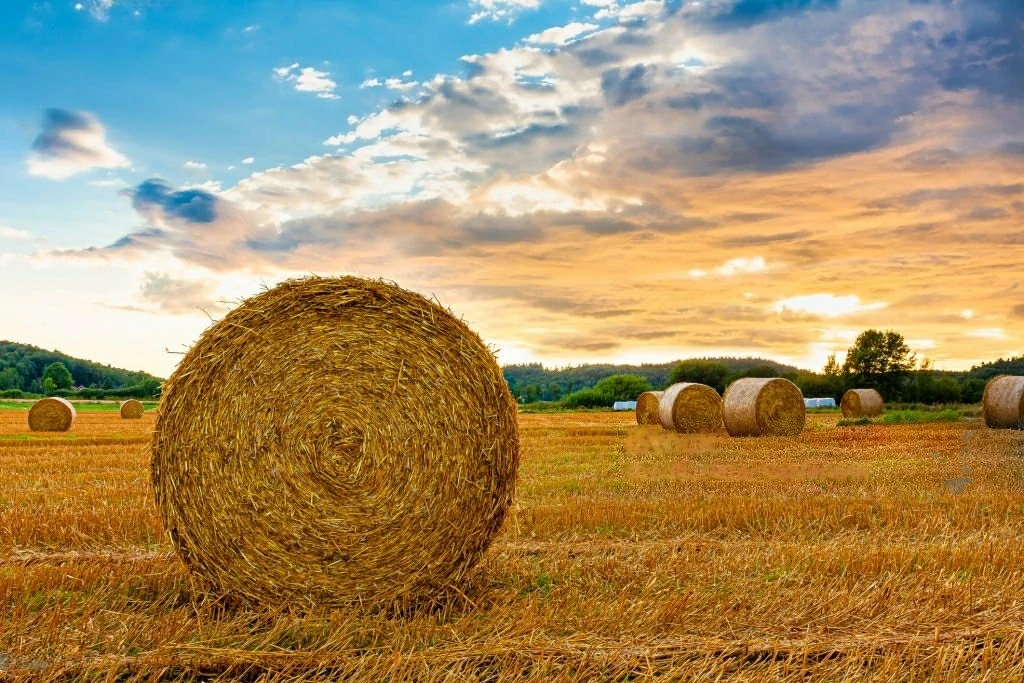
(335, 441)
(861, 403)
(647, 408)
(52, 414)
(691, 409)
(757, 406)
(132, 410)
(1003, 402)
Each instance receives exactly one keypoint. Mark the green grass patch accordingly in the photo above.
(79, 407)
(897, 417)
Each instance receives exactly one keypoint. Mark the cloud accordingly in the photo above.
(179, 296)
(157, 197)
(14, 234)
(824, 142)
(497, 10)
(560, 35)
(71, 142)
(98, 9)
(249, 160)
(826, 305)
(307, 79)
(194, 166)
(397, 84)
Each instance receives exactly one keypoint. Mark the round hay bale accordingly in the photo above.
(770, 406)
(647, 408)
(335, 441)
(132, 410)
(52, 414)
(1003, 402)
(861, 403)
(691, 409)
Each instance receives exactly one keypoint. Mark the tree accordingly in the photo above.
(880, 360)
(9, 379)
(587, 398)
(623, 387)
(48, 386)
(59, 375)
(702, 372)
(832, 368)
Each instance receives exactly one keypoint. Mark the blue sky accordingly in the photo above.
(584, 180)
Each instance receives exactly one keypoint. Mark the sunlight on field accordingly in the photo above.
(881, 552)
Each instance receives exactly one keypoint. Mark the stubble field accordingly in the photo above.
(867, 553)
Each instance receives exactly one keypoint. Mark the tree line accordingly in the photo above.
(29, 371)
(877, 359)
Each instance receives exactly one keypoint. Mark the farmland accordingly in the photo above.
(877, 552)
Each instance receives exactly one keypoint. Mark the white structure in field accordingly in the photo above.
(819, 403)
(624, 405)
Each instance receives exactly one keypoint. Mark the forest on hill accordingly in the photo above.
(27, 370)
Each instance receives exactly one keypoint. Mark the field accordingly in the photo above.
(877, 552)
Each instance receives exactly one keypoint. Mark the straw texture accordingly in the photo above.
(647, 408)
(52, 414)
(691, 409)
(764, 407)
(861, 403)
(335, 441)
(1003, 402)
(132, 410)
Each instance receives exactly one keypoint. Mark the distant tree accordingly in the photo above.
(832, 368)
(623, 387)
(554, 391)
(9, 379)
(880, 360)
(59, 375)
(49, 387)
(972, 389)
(587, 398)
(706, 372)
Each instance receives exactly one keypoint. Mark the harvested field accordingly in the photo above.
(877, 553)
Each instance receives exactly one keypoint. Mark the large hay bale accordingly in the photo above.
(861, 403)
(1003, 402)
(335, 441)
(52, 414)
(647, 408)
(132, 410)
(770, 406)
(691, 409)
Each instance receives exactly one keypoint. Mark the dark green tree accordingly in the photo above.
(623, 387)
(9, 379)
(49, 387)
(59, 375)
(706, 372)
(880, 360)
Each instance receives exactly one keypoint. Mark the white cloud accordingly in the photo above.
(636, 10)
(390, 83)
(371, 83)
(194, 166)
(967, 314)
(560, 35)
(248, 160)
(13, 234)
(827, 305)
(232, 168)
(99, 9)
(497, 10)
(307, 79)
(109, 182)
(988, 333)
(71, 142)
(250, 28)
(742, 265)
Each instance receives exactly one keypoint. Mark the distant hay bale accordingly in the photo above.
(691, 409)
(132, 410)
(52, 414)
(1003, 402)
(647, 408)
(861, 403)
(335, 441)
(770, 406)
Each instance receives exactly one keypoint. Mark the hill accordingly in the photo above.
(22, 366)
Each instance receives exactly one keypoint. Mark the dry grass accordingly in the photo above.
(882, 553)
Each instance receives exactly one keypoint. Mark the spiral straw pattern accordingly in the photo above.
(757, 406)
(335, 441)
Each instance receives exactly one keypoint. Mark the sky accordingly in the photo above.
(581, 181)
